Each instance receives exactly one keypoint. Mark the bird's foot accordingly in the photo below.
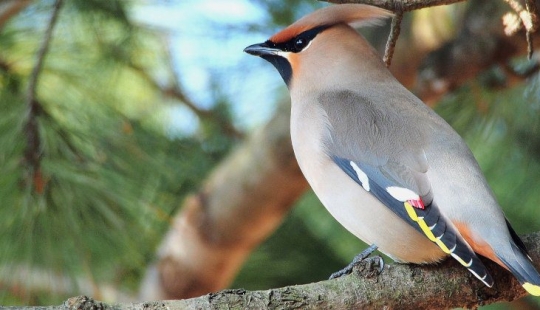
(375, 261)
(358, 259)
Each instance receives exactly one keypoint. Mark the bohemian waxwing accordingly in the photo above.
(388, 168)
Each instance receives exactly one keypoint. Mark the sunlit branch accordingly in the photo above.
(533, 13)
(529, 20)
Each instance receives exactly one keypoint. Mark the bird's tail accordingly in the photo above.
(520, 264)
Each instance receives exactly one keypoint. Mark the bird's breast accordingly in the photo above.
(357, 210)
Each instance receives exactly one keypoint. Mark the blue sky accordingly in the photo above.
(207, 38)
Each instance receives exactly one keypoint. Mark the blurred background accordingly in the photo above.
(146, 125)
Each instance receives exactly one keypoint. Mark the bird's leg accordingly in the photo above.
(357, 260)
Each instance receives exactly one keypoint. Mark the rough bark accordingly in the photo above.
(401, 5)
(444, 286)
(246, 197)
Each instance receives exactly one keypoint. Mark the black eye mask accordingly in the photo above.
(298, 43)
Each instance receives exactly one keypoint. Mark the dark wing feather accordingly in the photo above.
(428, 221)
(517, 239)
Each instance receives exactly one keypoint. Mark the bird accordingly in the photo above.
(384, 164)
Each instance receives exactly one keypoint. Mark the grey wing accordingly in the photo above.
(384, 154)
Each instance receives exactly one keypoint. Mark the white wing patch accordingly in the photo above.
(364, 180)
(402, 194)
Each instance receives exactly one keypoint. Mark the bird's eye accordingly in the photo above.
(300, 43)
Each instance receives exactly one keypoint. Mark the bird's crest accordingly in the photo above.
(355, 15)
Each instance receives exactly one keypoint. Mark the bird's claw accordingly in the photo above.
(358, 259)
(376, 261)
(371, 262)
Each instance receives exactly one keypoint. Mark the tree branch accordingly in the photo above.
(528, 17)
(175, 91)
(399, 5)
(533, 13)
(34, 109)
(392, 38)
(444, 286)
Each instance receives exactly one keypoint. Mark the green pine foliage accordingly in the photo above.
(108, 178)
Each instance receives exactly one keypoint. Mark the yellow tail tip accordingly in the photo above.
(532, 289)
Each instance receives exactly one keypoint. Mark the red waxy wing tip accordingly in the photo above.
(417, 203)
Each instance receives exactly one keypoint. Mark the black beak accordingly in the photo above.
(272, 55)
(261, 49)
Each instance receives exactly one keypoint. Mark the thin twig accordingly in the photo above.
(34, 108)
(43, 51)
(529, 19)
(176, 92)
(529, 38)
(533, 13)
(392, 38)
(179, 94)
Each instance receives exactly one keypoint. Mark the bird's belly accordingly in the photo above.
(356, 209)
(364, 216)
